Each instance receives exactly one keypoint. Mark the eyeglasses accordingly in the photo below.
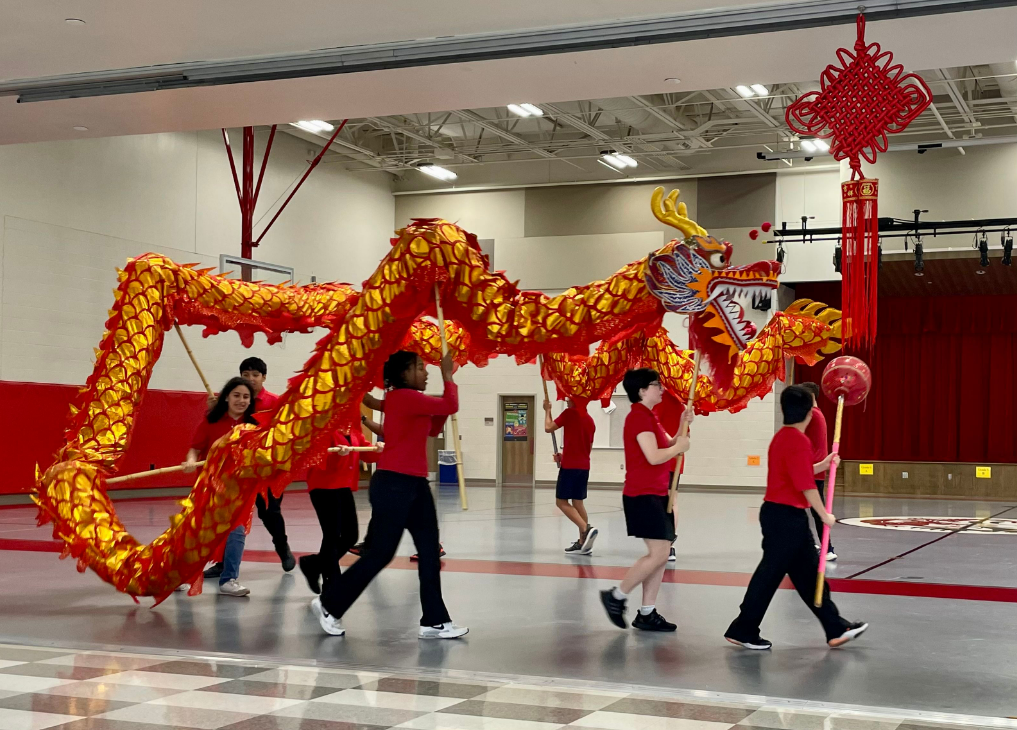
(655, 383)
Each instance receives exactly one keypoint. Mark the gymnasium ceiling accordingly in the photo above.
(454, 114)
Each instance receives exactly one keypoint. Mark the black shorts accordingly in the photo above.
(572, 483)
(646, 517)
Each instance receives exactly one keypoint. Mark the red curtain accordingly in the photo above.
(942, 375)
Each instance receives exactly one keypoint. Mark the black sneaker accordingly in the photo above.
(588, 537)
(357, 549)
(286, 556)
(851, 631)
(574, 548)
(309, 567)
(755, 644)
(214, 570)
(615, 608)
(653, 621)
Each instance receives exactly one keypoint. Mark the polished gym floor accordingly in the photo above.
(941, 607)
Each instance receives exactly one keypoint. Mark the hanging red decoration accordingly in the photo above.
(861, 100)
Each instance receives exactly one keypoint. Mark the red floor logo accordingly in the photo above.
(972, 525)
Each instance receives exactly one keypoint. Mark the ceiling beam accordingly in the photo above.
(490, 126)
(678, 124)
(390, 127)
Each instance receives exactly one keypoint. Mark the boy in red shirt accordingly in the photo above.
(816, 433)
(648, 449)
(787, 540)
(574, 470)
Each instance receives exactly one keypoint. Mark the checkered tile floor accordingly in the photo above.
(93, 690)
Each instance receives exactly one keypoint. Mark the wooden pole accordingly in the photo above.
(180, 467)
(194, 361)
(547, 397)
(683, 431)
(455, 421)
(150, 473)
(825, 545)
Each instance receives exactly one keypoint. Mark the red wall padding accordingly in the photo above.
(943, 381)
(35, 416)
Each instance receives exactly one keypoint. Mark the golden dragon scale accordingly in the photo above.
(366, 327)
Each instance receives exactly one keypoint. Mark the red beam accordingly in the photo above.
(310, 168)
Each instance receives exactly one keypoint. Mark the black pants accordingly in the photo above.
(271, 516)
(787, 550)
(398, 502)
(821, 486)
(337, 515)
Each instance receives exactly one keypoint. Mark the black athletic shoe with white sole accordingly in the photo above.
(214, 570)
(755, 644)
(852, 631)
(615, 608)
(653, 621)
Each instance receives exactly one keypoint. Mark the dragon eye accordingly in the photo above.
(717, 260)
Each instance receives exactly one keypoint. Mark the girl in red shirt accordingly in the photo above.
(235, 405)
(331, 486)
(648, 449)
(401, 499)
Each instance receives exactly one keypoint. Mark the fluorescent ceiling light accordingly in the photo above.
(619, 162)
(745, 91)
(314, 126)
(821, 145)
(526, 110)
(808, 145)
(438, 172)
(533, 109)
(760, 89)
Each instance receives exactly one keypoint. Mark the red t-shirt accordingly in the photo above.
(341, 472)
(577, 437)
(789, 468)
(264, 403)
(641, 477)
(207, 433)
(669, 412)
(410, 417)
(816, 433)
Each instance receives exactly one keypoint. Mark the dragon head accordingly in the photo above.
(695, 277)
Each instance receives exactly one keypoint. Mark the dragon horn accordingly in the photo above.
(665, 210)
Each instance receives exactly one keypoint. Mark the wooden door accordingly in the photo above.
(517, 424)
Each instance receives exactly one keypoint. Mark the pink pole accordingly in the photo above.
(825, 544)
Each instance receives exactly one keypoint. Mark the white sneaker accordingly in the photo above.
(183, 588)
(329, 623)
(446, 631)
(831, 556)
(671, 557)
(232, 588)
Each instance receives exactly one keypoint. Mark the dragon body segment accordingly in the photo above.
(492, 317)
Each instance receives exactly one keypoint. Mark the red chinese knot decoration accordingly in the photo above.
(861, 100)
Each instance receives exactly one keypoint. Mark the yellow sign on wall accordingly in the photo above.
(983, 472)
(753, 461)
(865, 469)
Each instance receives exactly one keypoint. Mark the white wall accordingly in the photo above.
(817, 195)
(74, 211)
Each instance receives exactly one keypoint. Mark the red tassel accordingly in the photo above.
(860, 269)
